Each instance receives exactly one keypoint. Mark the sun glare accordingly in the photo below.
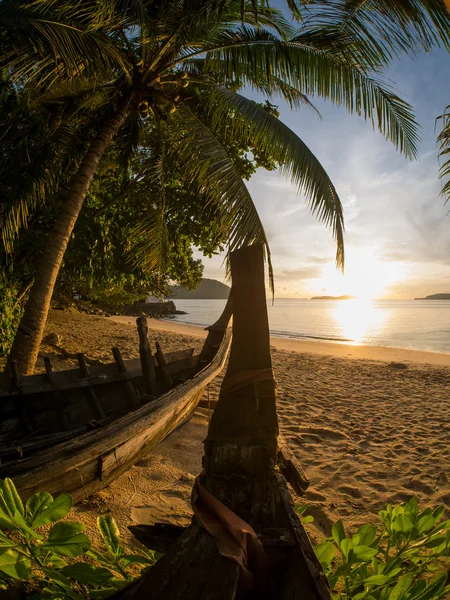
(358, 318)
(365, 276)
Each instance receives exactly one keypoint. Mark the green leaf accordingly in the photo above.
(367, 534)
(325, 553)
(65, 539)
(365, 553)
(37, 502)
(55, 511)
(88, 574)
(434, 588)
(12, 497)
(106, 592)
(402, 524)
(411, 507)
(27, 531)
(346, 547)
(435, 541)
(300, 509)
(308, 519)
(375, 580)
(402, 587)
(425, 523)
(130, 559)
(14, 564)
(110, 533)
(338, 532)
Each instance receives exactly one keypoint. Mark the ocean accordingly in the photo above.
(412, 324)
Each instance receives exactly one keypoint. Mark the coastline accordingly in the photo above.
(367, 432)
(338, 350)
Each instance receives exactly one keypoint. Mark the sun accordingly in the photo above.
(365, 275)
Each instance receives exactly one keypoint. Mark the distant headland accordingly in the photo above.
(435, 297)
(209, 289)
(334, 298)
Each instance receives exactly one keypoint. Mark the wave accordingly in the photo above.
(276, 332)
(307, 336)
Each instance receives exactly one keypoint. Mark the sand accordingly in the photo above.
(369, 425)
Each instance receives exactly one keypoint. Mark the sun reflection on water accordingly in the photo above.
(357, 318)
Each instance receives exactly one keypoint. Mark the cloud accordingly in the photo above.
(391, 205)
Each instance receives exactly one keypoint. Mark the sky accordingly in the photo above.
(397, 238)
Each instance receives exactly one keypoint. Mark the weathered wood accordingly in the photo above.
(291, 468)
(20, 403)
(163, 365)
(73, 465)
(215, 334)
(129, 388)
(147, 361)
(57, 400)
(178, 360)
(84, 369)
(162, 536)
(239, 470)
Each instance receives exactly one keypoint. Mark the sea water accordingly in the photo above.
(412, 324)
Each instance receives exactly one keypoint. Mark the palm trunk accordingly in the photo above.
(31, 328)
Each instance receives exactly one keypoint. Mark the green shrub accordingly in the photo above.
(44, 558)
(401, 559)
(11, 312)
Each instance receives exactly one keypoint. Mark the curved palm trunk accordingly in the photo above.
(31, 328)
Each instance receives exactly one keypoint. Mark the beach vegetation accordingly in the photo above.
(50, 557)
(405, 557)
(165, 78)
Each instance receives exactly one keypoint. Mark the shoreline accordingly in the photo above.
(335, 349)
(367, 432)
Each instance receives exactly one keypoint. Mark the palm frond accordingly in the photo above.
(203, 160)
(149, 239)
(312, 71)
(444, 152)
(268, 134)
(377, 29)
(35, 44)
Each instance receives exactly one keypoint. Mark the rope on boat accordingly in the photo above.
(242, 379)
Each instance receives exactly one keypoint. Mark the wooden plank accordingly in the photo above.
(311, 569)
(56, 469)
(93, 396)
(291, 468)
(147, 360)
(223, 580)
(163, 365)
(129, 388)
(69, 379)
(56, 398)
(20, 401)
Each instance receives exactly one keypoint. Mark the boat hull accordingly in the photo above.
(87, 463)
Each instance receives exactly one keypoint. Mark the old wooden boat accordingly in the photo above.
(245, 540)
(77, 430)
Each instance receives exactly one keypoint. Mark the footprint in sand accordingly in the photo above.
(322, 433)
(350, 491)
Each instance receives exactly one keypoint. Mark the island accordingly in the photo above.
(209, 289)
(334, 298)
(435, 297)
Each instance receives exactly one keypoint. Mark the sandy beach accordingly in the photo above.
(369, 425)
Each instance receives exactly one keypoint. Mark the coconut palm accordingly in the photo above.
(444, 152)
(175, 70)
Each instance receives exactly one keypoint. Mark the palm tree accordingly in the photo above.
(444, 152)
(175, 69)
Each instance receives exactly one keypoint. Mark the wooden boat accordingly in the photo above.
(77, 430)
(245, 540)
